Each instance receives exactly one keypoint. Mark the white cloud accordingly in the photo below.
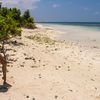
(55, 5)
(23, 4)
(86, 8)
(97, 13)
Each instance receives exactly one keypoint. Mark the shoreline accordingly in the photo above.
(78, 34)
(44, 68)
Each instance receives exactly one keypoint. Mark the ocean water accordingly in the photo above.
(77, 31)
(94, 25)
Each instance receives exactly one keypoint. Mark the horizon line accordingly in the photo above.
(66, 22)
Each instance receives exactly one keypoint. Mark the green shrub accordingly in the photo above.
(27, 21)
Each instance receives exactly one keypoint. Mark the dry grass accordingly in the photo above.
(42, 39)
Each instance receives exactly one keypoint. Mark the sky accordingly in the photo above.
(59, 10)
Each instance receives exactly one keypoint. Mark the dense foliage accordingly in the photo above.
(8, 27)
(26, 20)
(11, 22)
(16, 18)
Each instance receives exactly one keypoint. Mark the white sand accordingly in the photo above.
(64, 71)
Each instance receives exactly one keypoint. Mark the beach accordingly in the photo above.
(44, 67)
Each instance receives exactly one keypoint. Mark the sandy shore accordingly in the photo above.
(43, 68)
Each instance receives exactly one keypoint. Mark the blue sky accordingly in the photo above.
(60, 10)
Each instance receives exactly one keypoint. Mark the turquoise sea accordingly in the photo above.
(93, 25)
(87, 24)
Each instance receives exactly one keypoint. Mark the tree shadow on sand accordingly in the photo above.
(5, 87)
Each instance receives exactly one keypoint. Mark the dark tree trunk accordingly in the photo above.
(4, 66)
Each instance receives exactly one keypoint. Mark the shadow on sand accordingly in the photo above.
(5, 87)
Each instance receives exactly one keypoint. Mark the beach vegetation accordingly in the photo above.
(11, 22)
(42, 39)
(27, 20)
